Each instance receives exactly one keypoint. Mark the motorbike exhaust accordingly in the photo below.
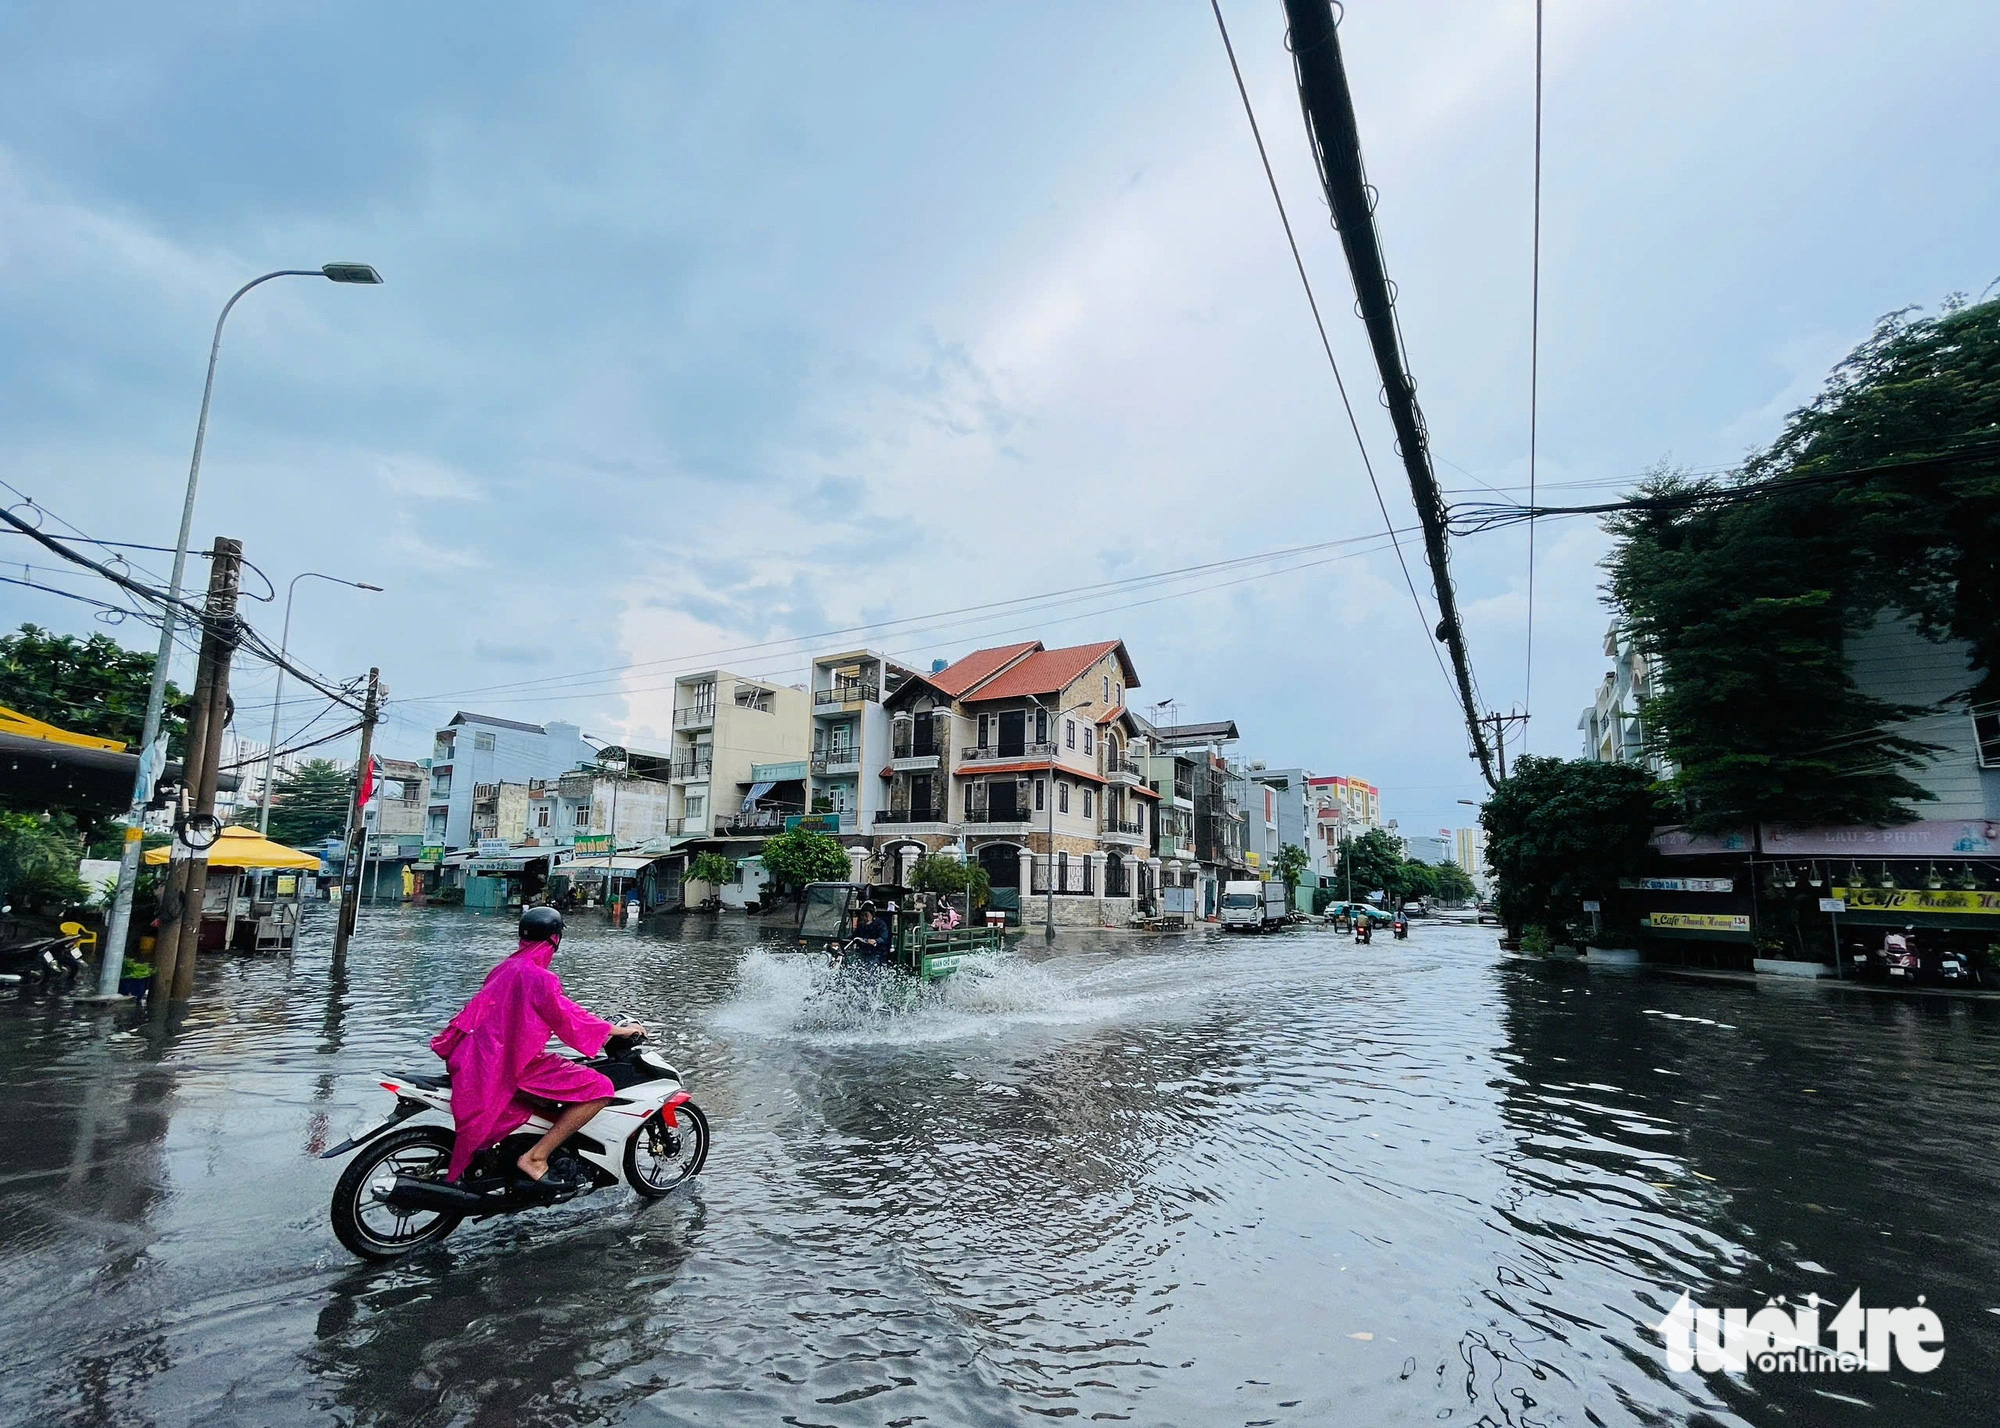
(435, 1195)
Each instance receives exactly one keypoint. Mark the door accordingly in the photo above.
(1001, 805)
(920, 798)
(1013, 734)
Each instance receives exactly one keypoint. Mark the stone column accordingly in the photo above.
(1027, 881)
(906, 859)
(857, 865)
(1096, 875)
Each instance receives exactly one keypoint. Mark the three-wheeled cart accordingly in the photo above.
(826, 922)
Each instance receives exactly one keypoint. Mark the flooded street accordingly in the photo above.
(1186, 1180)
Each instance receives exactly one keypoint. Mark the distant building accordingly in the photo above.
(1469, 852)
(631, 808)
(1613, 727)
(476, 752)
(1219, 816)
(852, 740)
(724, 725)
(1426, 848)
(1359, 802)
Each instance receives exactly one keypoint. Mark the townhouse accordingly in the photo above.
(728, 729)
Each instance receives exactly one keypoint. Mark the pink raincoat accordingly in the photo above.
(495, 1052)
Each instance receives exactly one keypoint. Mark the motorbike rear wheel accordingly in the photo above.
(374, 1230)
(660, 1158)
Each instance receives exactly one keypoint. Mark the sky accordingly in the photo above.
(712, 333)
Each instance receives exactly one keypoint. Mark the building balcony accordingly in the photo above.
(992, 754)
(1005, 820)
(699, 716)
(692, 770)
(913, 820)
(778, 773)
(1123, 832)
(914, 763)
(836, 761)
(756, 820)
(845, 696)
(1123, 772)
(678, 827)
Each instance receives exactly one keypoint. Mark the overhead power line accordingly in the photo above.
(1336, 140)
(1277, 197)
(1534, 373)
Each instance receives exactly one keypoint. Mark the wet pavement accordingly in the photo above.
(1191, 1180)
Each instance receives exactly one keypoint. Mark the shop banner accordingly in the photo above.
(1700, 885)
(1948, 900)
(1699, 921)
(1934, 837)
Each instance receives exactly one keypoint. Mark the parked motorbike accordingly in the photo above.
(393, 1198)
(49, 961)
(1899, 958)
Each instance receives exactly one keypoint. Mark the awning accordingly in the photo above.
(758, 790)
(623, 863)
(246, 848)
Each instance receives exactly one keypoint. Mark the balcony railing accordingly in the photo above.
(1122, 769)
(904, 745)
(691, 718)
(999, 815)
(991, 753)
(911, 815)
(856, 692)
(1132, 827)
(757, 820)
(827, 760)
(693, 768)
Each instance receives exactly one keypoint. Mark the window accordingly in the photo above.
(1087, 735)
(1118, 693)
(1107, 691)
(1086, 803)
(482, 743)
(1062, 872)
(542, 816)
(1986, 728)
(1039, 792)
(1062, 796)
(697, 804)
(983, 726)
(1041, 726)
(583, 815)
(1069, 733)
(1139, 818)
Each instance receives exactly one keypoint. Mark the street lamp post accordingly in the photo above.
(1049, 877)
(284, 644)
(118, 931)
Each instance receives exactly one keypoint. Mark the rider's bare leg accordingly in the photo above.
(534, 1162)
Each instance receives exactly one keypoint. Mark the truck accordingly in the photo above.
(1254, 906)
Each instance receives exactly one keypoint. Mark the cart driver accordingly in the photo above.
(871, 935)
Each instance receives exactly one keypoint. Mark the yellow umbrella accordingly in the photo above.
(247, 848)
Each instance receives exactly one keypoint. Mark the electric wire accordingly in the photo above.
(1534, 376)
(1326, 345)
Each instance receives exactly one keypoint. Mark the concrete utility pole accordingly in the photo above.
(118, 928)
(186, 884)
(343, 927)
(1500, 723)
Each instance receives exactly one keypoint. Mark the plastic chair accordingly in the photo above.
(85, 940)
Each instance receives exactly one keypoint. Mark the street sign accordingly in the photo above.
(493, 847)
(1592, 907)
(592, 844)
(1833, 904)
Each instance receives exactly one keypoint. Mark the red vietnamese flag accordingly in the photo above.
(371, 783)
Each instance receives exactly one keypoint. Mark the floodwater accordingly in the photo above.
(1191, 1180)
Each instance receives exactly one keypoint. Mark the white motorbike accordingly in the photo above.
(393, 1197)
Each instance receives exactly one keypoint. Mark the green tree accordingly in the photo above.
(1369, 864)
(800, 855)
(1413, 880)
(947, 878)
(1453, 884)
(711, 868)
(38, 858)
(307, 804)
(1291, 864)
(94, 686)
(1559, 831)
(1746, 603)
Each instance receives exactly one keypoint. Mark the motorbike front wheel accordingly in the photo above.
(377, 1231)
(660, 1158)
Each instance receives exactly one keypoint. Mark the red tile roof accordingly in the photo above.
(1028, 766)
(954, 679)
(1049, 671)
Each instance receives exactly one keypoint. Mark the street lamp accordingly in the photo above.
(284, 644)
(118, 930)
(1049, 878)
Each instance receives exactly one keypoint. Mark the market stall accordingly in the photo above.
(251, 900)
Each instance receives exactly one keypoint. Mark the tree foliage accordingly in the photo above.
(711, 868)
(1560, 831)
(307, 804)
(801, 855)
(947, 877)
(1453, 883)
(1746, 602)
(38, 858)
(1369, 863)
(94, 686)
(1292, 862)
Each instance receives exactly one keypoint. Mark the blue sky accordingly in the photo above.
(711, 326)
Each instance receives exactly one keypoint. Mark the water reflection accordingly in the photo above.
(1193, 1180)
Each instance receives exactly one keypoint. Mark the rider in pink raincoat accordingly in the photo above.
(495, 1051)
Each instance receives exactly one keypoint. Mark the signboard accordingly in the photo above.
(1700, 885)
(1253, 860)
(1592, 906)
(1950, 900)
(288, 884)
(1177, 900)
(1932, 837)
(1833, 904)
(1699, 921)
(431, 856)
(592, 844)
(493, 847)
(814, 822)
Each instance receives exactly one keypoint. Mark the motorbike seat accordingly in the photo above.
(426, 1080)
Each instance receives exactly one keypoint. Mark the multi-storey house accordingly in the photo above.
(477, 751)
(724, 726)
(851, 739)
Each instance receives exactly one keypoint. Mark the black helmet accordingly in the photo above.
(541, 924)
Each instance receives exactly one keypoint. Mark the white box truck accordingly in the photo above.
(1253, 906)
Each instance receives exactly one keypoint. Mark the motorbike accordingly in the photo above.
(51, 961)
(1899, 959)
(393, 1198)
(1364, 930)
(1402, 927)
